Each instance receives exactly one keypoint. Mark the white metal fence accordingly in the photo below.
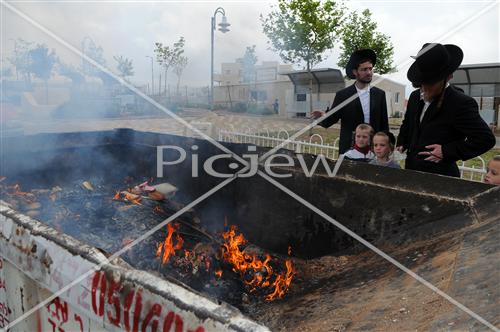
(316, 145)
(473, 173)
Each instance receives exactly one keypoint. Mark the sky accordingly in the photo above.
(130, 29)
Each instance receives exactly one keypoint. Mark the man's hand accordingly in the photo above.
(435, 154)
(317, 114)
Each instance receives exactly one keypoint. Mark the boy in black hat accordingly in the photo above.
(441, 124)
(367, 106)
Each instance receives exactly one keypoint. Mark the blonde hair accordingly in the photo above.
(390, 140)
(365, 126)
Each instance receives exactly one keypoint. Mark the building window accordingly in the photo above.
(227, 72)
(301, 97)
(396, 97)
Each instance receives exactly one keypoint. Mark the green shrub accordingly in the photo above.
(259, 110)
(239, 108)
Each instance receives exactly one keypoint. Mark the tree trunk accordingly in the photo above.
(166, 73)
(159, 85)
(310, 95)
(178, 85)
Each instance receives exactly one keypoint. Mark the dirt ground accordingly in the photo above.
(366, 293)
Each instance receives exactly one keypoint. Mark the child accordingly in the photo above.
(493, 171)
(383, 146)
(362, 139)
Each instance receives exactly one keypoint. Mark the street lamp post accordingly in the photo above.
(222, 28)
(152, 76)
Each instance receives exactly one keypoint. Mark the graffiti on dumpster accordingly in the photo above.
(5, 310)
(58, 315)
(125, 307)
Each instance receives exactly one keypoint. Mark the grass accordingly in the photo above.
(329, 135)
(395, 122)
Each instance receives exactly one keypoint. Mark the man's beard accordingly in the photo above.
(365, 80)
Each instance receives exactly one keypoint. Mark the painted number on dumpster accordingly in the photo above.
(59, 315)
(124, 308)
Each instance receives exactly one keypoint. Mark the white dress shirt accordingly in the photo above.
(364, 98)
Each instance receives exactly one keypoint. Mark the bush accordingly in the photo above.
(239, 108)
(397, 115)
(198, 105)
(259, 110)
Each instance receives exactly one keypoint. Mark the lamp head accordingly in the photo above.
(223, 25)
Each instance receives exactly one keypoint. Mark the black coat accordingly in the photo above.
(456, 126)
(351, 115)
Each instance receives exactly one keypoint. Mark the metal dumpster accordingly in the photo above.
(444, 229)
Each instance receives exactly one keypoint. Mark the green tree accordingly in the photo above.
(20, 58)
(41, 63)
(302, 30)
(248, 62)
(96, 53)
(167, 56)
(360, 32)
(124, 66)
(179, 67)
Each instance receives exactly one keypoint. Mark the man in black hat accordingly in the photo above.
(441, 124)
(367, 104)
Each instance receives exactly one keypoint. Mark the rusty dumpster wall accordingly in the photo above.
(36, 261)
(397, 205)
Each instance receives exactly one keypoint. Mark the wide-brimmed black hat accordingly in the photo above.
(356, 58)
(434, 62)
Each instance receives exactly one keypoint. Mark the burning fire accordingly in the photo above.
(16, 191)
(167, 247)
(129, 197)
(256, 273)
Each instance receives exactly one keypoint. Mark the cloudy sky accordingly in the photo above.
(130, 28)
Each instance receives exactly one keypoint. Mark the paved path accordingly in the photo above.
(210, 122)
(207, 121)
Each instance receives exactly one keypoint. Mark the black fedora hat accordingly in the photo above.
(434, 62)
(356, 58)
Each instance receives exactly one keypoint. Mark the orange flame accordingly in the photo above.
(260, 271)
(133, 198)
(167, 246)
(16, 190)
(282, 282)
(129, 197)
(218, 273)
